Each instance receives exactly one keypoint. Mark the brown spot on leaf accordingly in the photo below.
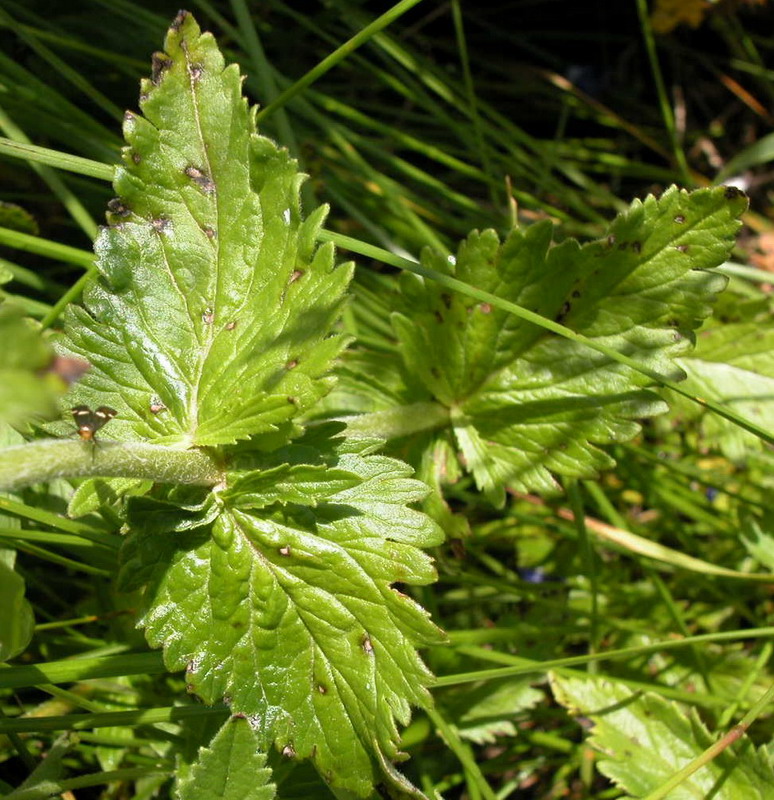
(161, 225)
(200, 179)
(116, 206)
(159, 65)
(179, 19)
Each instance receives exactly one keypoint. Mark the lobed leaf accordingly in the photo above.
(643, 740)
(231, 768)
(525, 403)
(286, 608)
(211, 319)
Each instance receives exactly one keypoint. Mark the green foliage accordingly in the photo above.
(282, 603)
(45, 780)
(211, 321)
(231, 768)
(525, 404)
(644, 740)
(229, 603)
(16, 619)
(734, 364)
(27, 391)
(214, 309)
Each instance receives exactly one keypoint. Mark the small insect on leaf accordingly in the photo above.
(89, 422)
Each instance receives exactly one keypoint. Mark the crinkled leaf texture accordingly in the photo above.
(525, 403)
(286, 609)
(643, 740)
(212, 315)
(231, 768)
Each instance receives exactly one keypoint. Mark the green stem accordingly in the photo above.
(663, 100)
(336, 56)
(461, 750)
(110, 776)
(35, 154)
(83, 668)
(523, 666)
(40, 462)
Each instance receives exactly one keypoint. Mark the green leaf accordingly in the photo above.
(300, 483)
(27, 390)
(231, 768)
(286, 609)
(17, 622)
(643, 740)
(733, 364)
(212, 315)
(93, 494)
(525, 403)
(488, 711)
(758, 538)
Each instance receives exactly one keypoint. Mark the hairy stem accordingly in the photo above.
(39, 462)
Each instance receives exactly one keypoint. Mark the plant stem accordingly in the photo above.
(40, 462)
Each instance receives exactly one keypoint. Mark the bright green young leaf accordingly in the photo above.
(16, 620)
(212, 315)
(643, 740)
(286, 608)
(231, 768)
(525, 403)
(733, 364)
